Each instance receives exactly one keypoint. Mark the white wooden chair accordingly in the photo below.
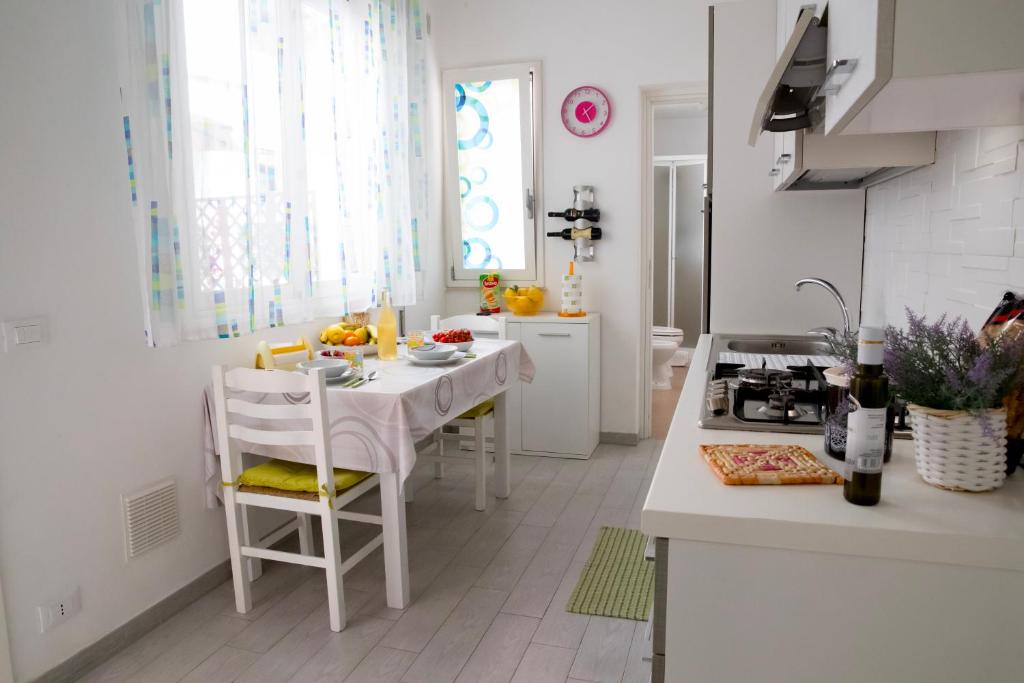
(327, 503)
(471, 424)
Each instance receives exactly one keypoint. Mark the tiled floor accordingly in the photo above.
(489, 591)
(663, 404)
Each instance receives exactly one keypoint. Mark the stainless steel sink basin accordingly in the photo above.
(792, 347)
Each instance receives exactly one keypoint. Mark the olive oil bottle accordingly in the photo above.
(865, 439)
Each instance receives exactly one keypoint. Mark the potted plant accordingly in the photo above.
(955, 384)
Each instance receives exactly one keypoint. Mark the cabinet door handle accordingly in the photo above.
(839, 66)
(783, 159)
(553, 334)
(774, 172)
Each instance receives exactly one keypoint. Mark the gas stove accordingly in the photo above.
(778, 385)
(777, 388)
(765, 399)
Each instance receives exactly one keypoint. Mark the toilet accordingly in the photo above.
(665, 341)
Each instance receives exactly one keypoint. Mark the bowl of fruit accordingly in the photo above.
(461, 338)
(524, 300)
(347, 335)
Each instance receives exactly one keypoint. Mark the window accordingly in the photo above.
(491, 136)
(275, 155)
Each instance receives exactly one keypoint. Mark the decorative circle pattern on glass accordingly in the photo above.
(480, 212)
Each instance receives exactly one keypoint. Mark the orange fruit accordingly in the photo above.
(352, 340)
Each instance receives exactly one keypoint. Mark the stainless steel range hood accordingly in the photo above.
(788, 99)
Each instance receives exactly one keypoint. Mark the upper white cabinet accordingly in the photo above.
(923, 65)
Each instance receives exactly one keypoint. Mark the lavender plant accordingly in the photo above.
(944, 365)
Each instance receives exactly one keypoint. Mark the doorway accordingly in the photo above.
(679, 184)
(675, 237)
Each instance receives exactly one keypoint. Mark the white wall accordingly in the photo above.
(95, 413)
(680, 135)
(949, 238)
(618, 46)
(762, 241)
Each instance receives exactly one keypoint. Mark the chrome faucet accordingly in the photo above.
(831, 288)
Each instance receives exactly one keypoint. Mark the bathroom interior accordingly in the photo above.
(680, 134)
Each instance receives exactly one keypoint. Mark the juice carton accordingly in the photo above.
(489, 293)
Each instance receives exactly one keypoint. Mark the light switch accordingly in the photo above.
(27, 333)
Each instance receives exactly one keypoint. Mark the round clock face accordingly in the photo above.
(586, 111)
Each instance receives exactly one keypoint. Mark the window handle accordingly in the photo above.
(529, 203)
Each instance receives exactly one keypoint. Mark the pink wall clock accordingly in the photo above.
(586, 111)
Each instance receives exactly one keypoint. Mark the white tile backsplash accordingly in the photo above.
(948, 238)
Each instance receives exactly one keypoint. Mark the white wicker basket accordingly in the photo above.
(953, 451)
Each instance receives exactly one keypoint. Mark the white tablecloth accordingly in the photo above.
(374, 428)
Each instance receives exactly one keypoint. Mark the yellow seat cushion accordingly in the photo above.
(292, 476)
(478, 410)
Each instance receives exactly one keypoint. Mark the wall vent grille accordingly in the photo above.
(150, 517)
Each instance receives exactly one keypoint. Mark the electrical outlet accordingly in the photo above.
(60, 610)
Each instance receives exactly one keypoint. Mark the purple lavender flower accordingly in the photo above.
(944, 364)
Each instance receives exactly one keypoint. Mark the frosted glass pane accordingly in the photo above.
(491, 189)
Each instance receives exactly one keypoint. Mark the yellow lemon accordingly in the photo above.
(335, 334)
(363, 335)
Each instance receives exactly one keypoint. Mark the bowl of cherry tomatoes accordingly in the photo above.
(462, 338)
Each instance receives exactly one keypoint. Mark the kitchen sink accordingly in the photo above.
(790, 347)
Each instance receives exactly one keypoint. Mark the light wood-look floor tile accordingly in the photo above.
(602, 655)
(423, 617)
(488, 593)
(538, 584)
(560, 627)
(450, 648)
(223, 666)
(382, 665)
(497, 657)
(544, 664)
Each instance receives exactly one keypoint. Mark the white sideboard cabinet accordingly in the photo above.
(559, 414)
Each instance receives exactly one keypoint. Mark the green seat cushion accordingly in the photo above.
(293, 476)
(479, 410)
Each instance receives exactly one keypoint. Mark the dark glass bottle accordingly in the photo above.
(593, 215)
(592, 233)
(866, 430)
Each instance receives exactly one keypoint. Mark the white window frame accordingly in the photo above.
(529, 74)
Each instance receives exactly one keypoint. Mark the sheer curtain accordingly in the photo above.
(275, 159)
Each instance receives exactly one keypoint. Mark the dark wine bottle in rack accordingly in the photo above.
(576, 214)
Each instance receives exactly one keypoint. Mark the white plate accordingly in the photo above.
(433, 351)
(344, 377)
(333, 367)
(457, 356)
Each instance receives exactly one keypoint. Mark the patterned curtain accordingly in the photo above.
(275, 159)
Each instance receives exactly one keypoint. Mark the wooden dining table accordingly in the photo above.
(375, 428)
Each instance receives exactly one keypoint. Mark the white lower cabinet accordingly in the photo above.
(557, 414)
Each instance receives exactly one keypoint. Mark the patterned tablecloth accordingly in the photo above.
(374, 428)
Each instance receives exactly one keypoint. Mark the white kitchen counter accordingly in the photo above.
(913, 521)
(792, 584)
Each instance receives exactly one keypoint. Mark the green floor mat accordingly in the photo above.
(617, 581)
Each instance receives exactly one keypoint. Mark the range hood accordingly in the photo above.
(792, 107)
(790, 98)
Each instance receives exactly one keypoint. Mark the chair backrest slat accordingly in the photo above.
(228, 411)
(272, 437)
(270, 411)
(266, 381)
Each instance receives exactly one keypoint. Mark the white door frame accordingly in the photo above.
(672, 162)
(680, 93)
(6, 668)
